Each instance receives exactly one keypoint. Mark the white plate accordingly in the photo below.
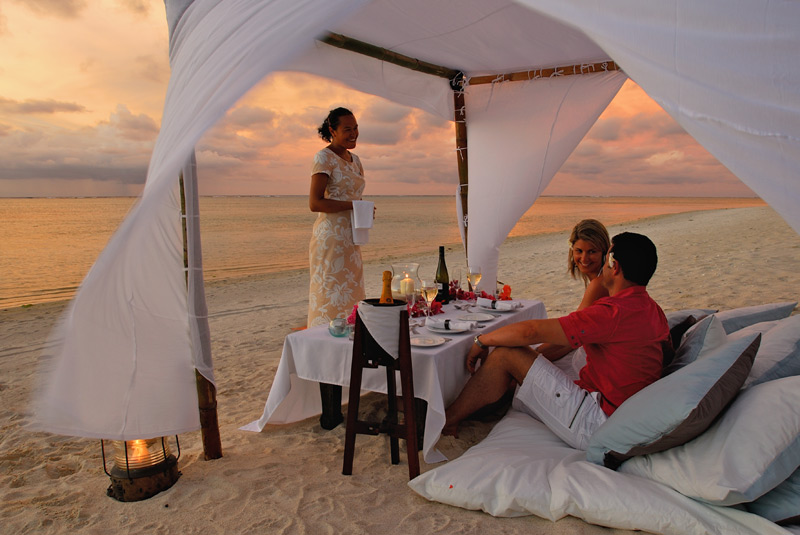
(427, 341)
(496, 309)
(445, 331)
(476, 316)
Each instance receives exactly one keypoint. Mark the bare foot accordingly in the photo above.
(450, 430)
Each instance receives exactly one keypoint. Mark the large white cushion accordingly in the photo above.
(737, 318)
(521, 468)
(675, 409)
(750, 450)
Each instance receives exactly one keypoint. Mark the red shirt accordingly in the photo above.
(622, 336)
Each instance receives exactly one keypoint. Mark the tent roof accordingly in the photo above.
(473, 36)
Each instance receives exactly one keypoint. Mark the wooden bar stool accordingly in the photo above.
(368, 353)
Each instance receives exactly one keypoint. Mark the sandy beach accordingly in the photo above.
(288, 479)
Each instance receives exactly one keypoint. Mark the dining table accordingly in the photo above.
(314, 357)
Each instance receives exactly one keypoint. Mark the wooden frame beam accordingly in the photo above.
(552, 72)
(383, 54)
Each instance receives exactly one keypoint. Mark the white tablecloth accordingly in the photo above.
(313, 356)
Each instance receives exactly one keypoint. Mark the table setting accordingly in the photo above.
(316, 356)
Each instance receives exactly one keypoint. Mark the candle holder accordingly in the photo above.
(142, 468)
(405, 280)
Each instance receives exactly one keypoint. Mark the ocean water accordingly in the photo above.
(48, 245)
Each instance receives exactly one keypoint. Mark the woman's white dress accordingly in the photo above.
(337, 278)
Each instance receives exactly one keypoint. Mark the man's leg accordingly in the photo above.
(490, 382)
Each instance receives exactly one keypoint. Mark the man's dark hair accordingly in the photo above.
(636, 255)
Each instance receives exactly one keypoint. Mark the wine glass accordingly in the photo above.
(410, 294)
(429, 291)
(474, 277)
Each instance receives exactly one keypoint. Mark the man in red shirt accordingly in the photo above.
(623, 335)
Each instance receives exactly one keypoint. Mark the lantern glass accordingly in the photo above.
(141, 453)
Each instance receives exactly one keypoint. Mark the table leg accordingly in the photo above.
(331, 396)
(421, 406)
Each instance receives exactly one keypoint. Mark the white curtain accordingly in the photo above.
(197, 309)
(726, 71)
(519, 134)
(122, 364)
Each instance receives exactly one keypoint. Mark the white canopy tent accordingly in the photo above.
(727, 71)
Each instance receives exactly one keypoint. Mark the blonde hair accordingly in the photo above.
(594, 232)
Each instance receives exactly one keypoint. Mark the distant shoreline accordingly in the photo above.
(397, 195)
(220, 277)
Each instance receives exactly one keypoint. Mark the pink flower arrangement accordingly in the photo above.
(456, 292)
(351, 319)
(505, 294)
(417, 309)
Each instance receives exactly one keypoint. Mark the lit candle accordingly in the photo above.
(407, 286)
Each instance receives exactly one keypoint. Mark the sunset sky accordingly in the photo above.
(82, 85)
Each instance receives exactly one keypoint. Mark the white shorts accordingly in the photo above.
(551, 396)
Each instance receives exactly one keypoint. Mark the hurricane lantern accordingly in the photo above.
(141, 468)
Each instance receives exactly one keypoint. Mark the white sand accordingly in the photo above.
(288, 479)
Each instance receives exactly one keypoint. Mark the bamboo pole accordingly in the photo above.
(383, 54)
(461, 153)
(551, 72)
(206, 392)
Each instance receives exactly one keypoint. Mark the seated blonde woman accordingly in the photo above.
(588, 244)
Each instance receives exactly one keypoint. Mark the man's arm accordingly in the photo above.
(523, 333)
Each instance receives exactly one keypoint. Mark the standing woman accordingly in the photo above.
(337, 179)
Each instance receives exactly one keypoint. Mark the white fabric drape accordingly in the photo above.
(199, 331)
(122, 364)
(727, 72)
(519, 136)
(383, 323)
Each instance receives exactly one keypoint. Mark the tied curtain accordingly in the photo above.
(519, 136)
(122, 360)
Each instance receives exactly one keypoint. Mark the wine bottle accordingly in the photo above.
(386, 292)
(442, 279)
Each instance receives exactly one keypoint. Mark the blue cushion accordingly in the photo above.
(782, 504)
(737, 318)
(779, 353)
(706, 335)
(677, 316)
(675, 409)
(750, 450)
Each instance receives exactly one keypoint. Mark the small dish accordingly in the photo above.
(427, 341)
(445, 331)
(477, 316)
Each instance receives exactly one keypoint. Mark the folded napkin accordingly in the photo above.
(447, 325)
(498, 305)
(362, 221)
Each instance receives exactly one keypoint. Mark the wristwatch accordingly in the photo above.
(478, 342)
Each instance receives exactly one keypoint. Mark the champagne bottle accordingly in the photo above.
(442, 279)
(386, 292)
